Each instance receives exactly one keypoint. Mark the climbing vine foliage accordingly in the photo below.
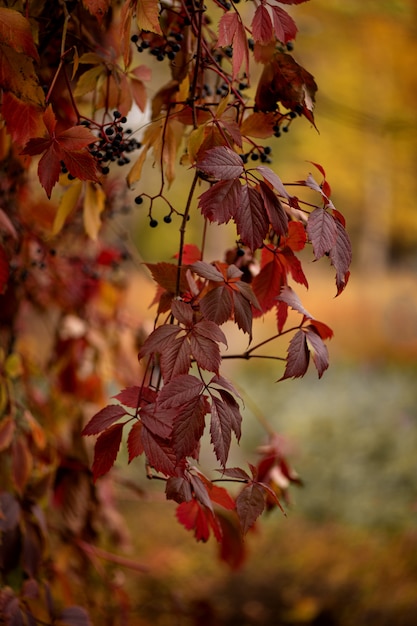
(93, 94)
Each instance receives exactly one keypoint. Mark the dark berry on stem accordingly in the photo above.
(153, 223)
(138, 199)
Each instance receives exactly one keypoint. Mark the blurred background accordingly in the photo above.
(347, 551)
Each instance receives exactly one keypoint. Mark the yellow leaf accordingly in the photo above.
(90, 58)
(194, 142)
(147, 16)
(76, 62)
(136, 169)
(66, 206)
(88, 81)
(222, 105)
(94, 201)
(184, 90)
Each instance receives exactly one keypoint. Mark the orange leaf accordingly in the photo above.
(98, 8)
(23, 119)
(147, 16)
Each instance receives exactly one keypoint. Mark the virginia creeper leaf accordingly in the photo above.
(221, 201)
(106, 449)
(318, 350)
(134, 441)
(193, 516)
(178, 489)
(322, 231)
(298, 357)
(284, 26)
(188, 426)
(15, 31)
(180, 390)
(277, 216)
(341, 257)
(103, 419)
(273, 179)
(221, 429)
(221, 163)
(159, 453)
(262, 30)
(147, 16)
(288, 295)
(250, 503)
(251, 218)
(217, 305)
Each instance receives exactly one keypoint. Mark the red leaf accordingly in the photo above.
(16, 32)
(267, 284)
(284, 26)
(322, 231)
(103, 419)
(236, 472)
(262, 30)
(207, 270)
(106, 449)
(221, 201)
(4, 270)
(322, 329)
(318, 350)
(134, 441)
(293, 266)
(221, 163)
(183, 312)
(165, 274)
(23, 119)
(220, 496)
(232, 33)
(159, 453)
(251, 219)
(250, 503)
(242, 313)
(341, 257)
(297, 237)
(193, 516)
(298, 357)
(191, 253)
(232, 546)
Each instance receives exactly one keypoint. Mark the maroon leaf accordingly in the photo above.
(158, 419)
(242, 313)
(180, 390)
(235, 472)
(234, 412)
(288, 295)
(251, 219)
(205, 351)
(188, 427)
(274, 180)
(130, 396)
(194, 516)
(178, 489)
(183, 312)
(298, 356)
(232, 33)
(318, 350)
(134, 441)
(217, 305)
(221, 163)
(103, 419)
(341, 257)
(221, 429)
(250, 503)
(207, 270)
(159, 453)
(175, 358)
(267, 284)
(106, 449)
(322, 231)
(277, 216)
(221, 201)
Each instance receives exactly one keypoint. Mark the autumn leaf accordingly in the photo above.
(23, 119)
(93, 207)
(284, 81)
(232, 33)
(250, 503)
(106, 449)
(68, 147)
(298, 356)
(98, 8)
(318, 350)
(221, 202)
(15, 32)
(222, 163)
(147, 16)
(104, 419)
(341, 257)
(134, 441)
(322, 232)
(159, 453)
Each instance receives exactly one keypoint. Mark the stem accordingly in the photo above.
(182, 232)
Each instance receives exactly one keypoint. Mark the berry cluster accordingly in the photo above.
(114, 143)
(258, 153)
(159, 47)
